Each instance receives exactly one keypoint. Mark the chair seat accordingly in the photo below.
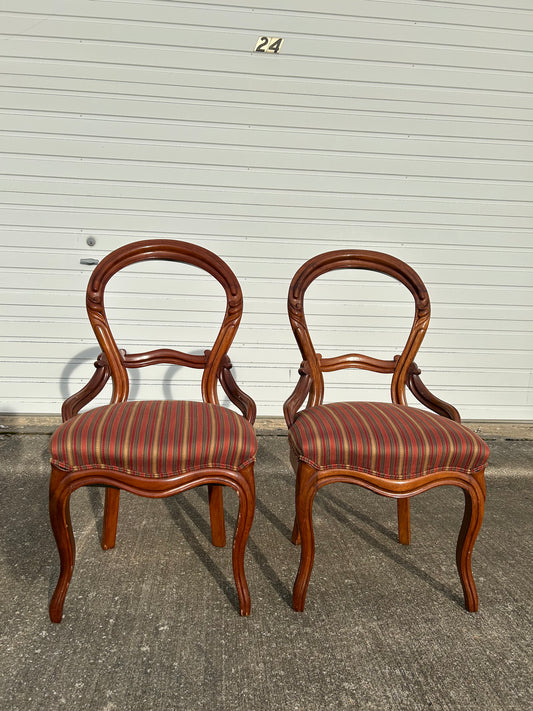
(156, 439)
(386, 440)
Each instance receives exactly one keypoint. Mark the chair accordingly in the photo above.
(155, 448)
(390, 448)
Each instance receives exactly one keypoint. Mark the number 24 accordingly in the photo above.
(269, 44)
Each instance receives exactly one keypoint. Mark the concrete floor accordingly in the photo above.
(152, 624)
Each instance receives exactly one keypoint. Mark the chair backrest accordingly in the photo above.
(314, 365)
(116, 362)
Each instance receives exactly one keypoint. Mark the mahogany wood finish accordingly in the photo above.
(114, 362)
(405, 374)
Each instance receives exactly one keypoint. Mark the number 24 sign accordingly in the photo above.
(269, 44)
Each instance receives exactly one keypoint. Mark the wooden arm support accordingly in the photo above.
(94, 387)
(237, 396)
(423, 395)
(414, 383)
(74, 403)
(300, 392)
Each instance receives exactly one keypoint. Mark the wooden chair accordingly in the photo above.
(155, 448)
(390, 448)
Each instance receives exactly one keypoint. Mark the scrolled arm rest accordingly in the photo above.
(237, 396)
(74, 403)
(423, 395)
(299, 394)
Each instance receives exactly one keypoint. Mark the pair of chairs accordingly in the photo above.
(159, 448)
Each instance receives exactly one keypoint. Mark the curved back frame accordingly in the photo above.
(314, 365)
(115, 362)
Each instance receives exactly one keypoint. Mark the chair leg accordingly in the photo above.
(295, 463)
(472, 520)
(404, 521)
(111, 505)
(245, 518)
(304, 514)
(295, 536)
(59, 506)
(216, 514)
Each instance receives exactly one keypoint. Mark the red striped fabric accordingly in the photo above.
(389, 441)
(155, 439)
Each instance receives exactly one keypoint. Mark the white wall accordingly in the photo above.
(398, 126)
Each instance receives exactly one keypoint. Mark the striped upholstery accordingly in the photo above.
(389, 441)
(154, 439)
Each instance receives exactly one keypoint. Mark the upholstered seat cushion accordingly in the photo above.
(155, 439)
(389, 441)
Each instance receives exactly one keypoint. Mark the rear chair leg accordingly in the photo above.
(404, 521)
(216, 514)
(295, 537)
(111, 505)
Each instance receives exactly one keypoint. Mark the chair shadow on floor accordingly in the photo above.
(182, 508)
(192, 523)
(84, 360)
(347, 515)
(27, 543)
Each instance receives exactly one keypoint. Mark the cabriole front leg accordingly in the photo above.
(472, 520)
(307, 488)
(246, 491)
(59, 506)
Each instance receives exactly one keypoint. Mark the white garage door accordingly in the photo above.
(404, 127)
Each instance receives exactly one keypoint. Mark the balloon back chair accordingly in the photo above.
(160, 447)
(393, 449)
